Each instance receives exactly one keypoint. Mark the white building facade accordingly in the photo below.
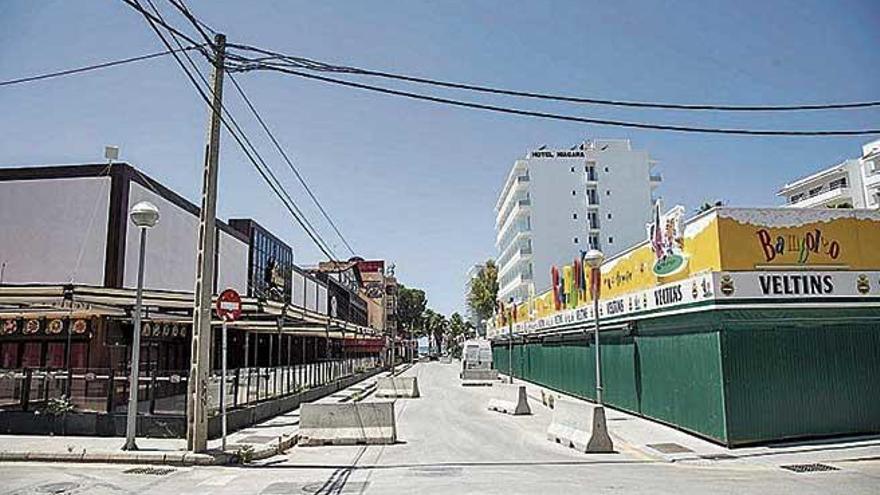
(556, 204)
(871, 173)
(853, 183)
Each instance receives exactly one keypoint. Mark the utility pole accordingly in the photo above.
(200, 356)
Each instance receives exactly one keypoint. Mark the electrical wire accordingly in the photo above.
(181, 6)
(88, 68)
(153, 22)
(310, 64)
(290, 164)
(570, 118)
(308, 225)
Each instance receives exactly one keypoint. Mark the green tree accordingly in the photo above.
(458, 331)
(435, 326)
(483, 293)
(410, 307)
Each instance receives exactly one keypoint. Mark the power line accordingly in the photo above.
(290, 164)
(88, 68)
(181, 6)
(305, 223)
(153, 21)
(310, 64)
(563, 117)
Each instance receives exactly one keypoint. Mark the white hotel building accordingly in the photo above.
(853, 183)
(557, 203)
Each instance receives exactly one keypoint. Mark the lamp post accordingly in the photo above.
(600, 441)
(511, 311)
(144, 215)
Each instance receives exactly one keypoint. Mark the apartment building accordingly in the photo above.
(556, 204)
(853, 183)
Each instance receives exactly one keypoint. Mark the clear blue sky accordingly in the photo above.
(415, 183)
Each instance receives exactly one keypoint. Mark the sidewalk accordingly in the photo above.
(258, 441)
(661, 442)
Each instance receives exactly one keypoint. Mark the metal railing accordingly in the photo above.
(164, 393)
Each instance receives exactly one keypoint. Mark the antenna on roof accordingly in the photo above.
(111, 153)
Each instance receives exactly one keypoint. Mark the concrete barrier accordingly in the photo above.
(398, 386)
(479, 377)
(515, 401)
(547, 399)
(571, 424)
(356, 423)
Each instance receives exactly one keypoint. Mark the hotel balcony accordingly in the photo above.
(655, 179)
(519, 255)
(518, 207)
(510, 189)
(831, 197)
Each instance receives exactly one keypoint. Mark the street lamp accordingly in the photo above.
(600, 441)
(510, 341)
(144, 215)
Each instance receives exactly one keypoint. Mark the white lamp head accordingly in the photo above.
(144, 214)
(594, 258)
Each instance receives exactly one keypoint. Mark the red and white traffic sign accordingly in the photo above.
(229, 305)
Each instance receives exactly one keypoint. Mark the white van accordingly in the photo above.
(477, 355)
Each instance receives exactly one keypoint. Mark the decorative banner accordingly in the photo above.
(55, 326)
(801, 285)
(32, 326)
(80, 326)
(666, 236)
(770, 247)
(10, 327)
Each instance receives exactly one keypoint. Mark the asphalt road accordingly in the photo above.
(449, 443)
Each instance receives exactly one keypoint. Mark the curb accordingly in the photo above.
(166, 458)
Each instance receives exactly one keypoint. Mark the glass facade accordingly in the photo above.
(270, 264)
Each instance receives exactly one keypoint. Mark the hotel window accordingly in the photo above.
(594, 241)
(591, 172)
(573, 192)
(592, 197)
(606, 170)
(610, 240)
(607, 192)
(575, 240)
(574, 216)
(609, 216)
(796, 198)
(572, 169)
(814, 191)
(592, 220)
(837, 184)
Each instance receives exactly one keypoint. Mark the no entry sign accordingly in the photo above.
(229, 305)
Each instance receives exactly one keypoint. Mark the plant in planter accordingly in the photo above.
(58, 406)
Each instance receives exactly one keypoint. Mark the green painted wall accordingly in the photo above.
(673, 378)
(738, 377)
(786, 380)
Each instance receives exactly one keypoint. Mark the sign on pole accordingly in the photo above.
(229, 305)
(228, 309)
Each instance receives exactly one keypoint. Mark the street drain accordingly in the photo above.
(669, 448)
(809, 468)
(149, 470)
